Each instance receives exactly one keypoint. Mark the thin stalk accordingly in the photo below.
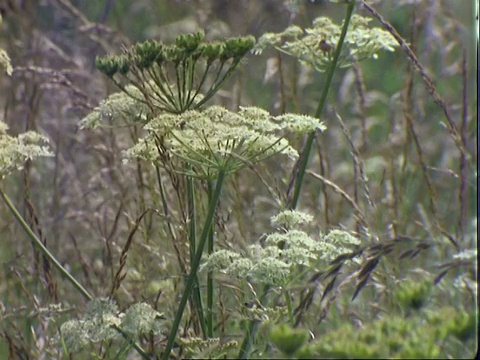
(288, 300)
(321, 104)
(195, 264)
(252, 330)
(36, 241)
(185, 65)
(166, 89)
(42, 247)
(191, 77)
(200, 85)
(163, 96)
(210, 275)
(178, 106)
(192, 228)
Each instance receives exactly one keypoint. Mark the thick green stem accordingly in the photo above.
(321, 104)
(210, 276)
(192, 228)
(195, 264)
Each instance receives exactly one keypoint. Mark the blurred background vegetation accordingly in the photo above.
(84, 201)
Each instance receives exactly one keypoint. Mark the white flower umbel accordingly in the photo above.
(290, 219)
(219, 260)
(217, 139)
(129, 105)
(315, 46)
(141, 319)
(270, 270)
(97, 325)
(341, 238)
(337, 242)
(275, 262)
(296, 246)
(15, 151)
(5, 62)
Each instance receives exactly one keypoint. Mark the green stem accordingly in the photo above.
(252, 330)
(209, 275)
(195, 264)
(288, 300)
(192, 228)
(59, 266)
(321, 104)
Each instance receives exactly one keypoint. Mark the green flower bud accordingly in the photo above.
(236, 48)
(189, 42)
(123, 65)
(213, 51)
(107, 65)
(147, 53)
(174, 54)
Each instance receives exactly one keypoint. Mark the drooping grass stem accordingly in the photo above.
(195, 264)
(43, 248)
(37, 242)
(303, 162)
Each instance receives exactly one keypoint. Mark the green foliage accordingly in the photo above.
(152, 208)
(397, 337)
(212, 348)
(289, 341)
(412, 294)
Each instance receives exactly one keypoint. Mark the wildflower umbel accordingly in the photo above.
(217, 139)
(5, 62)
(15, 151)
(275, 261)
(101, 315)
(315, 46)
(178, 77)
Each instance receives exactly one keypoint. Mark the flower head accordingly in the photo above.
(315, 46)
(15, 151)
(216, 138)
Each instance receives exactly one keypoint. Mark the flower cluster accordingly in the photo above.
(5, 59)
(274, 262)
(217, 139)
(128, 105)
(5, 62)
(290, 219)
(14, 151)
(101, 316)
(209, 348)
(173, 78)
(315, 46)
